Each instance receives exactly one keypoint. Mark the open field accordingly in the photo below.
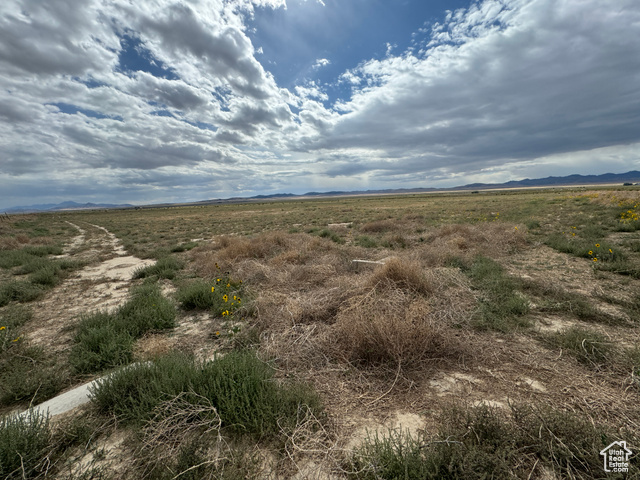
(481, 335)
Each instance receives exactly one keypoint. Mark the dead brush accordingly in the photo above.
(390, 326)
(404, 274)
(177, 418)
(464, 241)
(379, 226)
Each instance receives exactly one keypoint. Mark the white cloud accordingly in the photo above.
(321, 62)
(505, 87)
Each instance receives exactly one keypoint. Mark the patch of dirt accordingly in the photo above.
(546, 266)
(99, 286)
(363, 428)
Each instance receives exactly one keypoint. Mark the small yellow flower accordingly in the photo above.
(516, 228)
(595, 259)
(225, 313)
(597, 245)
(235, 298)
(573, 234)
(228, 285)
(213, 289)
(217, 280)
(2, 328)
(225, 298)
(217, 334)
(590, 252)
(610, 251)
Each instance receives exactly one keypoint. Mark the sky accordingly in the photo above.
(157, 101)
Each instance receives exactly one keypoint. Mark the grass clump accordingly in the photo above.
(24, 444)
(405, 274)
(482, 442)
(239, 386)
(183, 247)
(166, 267)
(20, 291)
(502, 306)
(588, 347)
(25, 371)
(222, 296)
(390, 327)
(333, 236)
(105, 340)
(366, 241)
(26, 374)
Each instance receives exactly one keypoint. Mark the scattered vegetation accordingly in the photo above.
(587, 346)
(105, 340)
(484, 442)
(221, 295)
(238, 385)
(165, 267)
(502, 306)
(24, 444)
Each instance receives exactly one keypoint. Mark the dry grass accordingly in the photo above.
(379, 226)
(491, 239)
(404, 274)
(390, 326)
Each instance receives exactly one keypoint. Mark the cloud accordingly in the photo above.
(127, 94)
(514, 80)
(321, 62)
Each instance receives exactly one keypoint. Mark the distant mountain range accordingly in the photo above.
(56, 207)
(632, 177)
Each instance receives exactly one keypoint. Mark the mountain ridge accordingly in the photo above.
(632, 176)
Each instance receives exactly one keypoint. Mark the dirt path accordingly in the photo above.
(101, 285)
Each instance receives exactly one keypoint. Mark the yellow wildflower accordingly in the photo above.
(225, 298)
(610, 251)
(590, 252)
(597, 245)
(595, 259)
(213, 288)
(2, 328)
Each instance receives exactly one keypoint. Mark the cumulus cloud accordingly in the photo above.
(127, 94)
(321, 62)
(512, 80)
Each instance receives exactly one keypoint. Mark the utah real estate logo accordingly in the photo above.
(616, 457)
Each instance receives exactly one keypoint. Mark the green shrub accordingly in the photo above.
(502, 307)
(482, 442)
(184, 247)
(239, 385)
(46, 276)
(19, 291)
(24, 444)
(366, 241)
(105, 340)
(146, 310)
(100, 347)
(166, 267)
(221, 296)
(333, 236)
(15, 316)
(588, 347)
(27, 374)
